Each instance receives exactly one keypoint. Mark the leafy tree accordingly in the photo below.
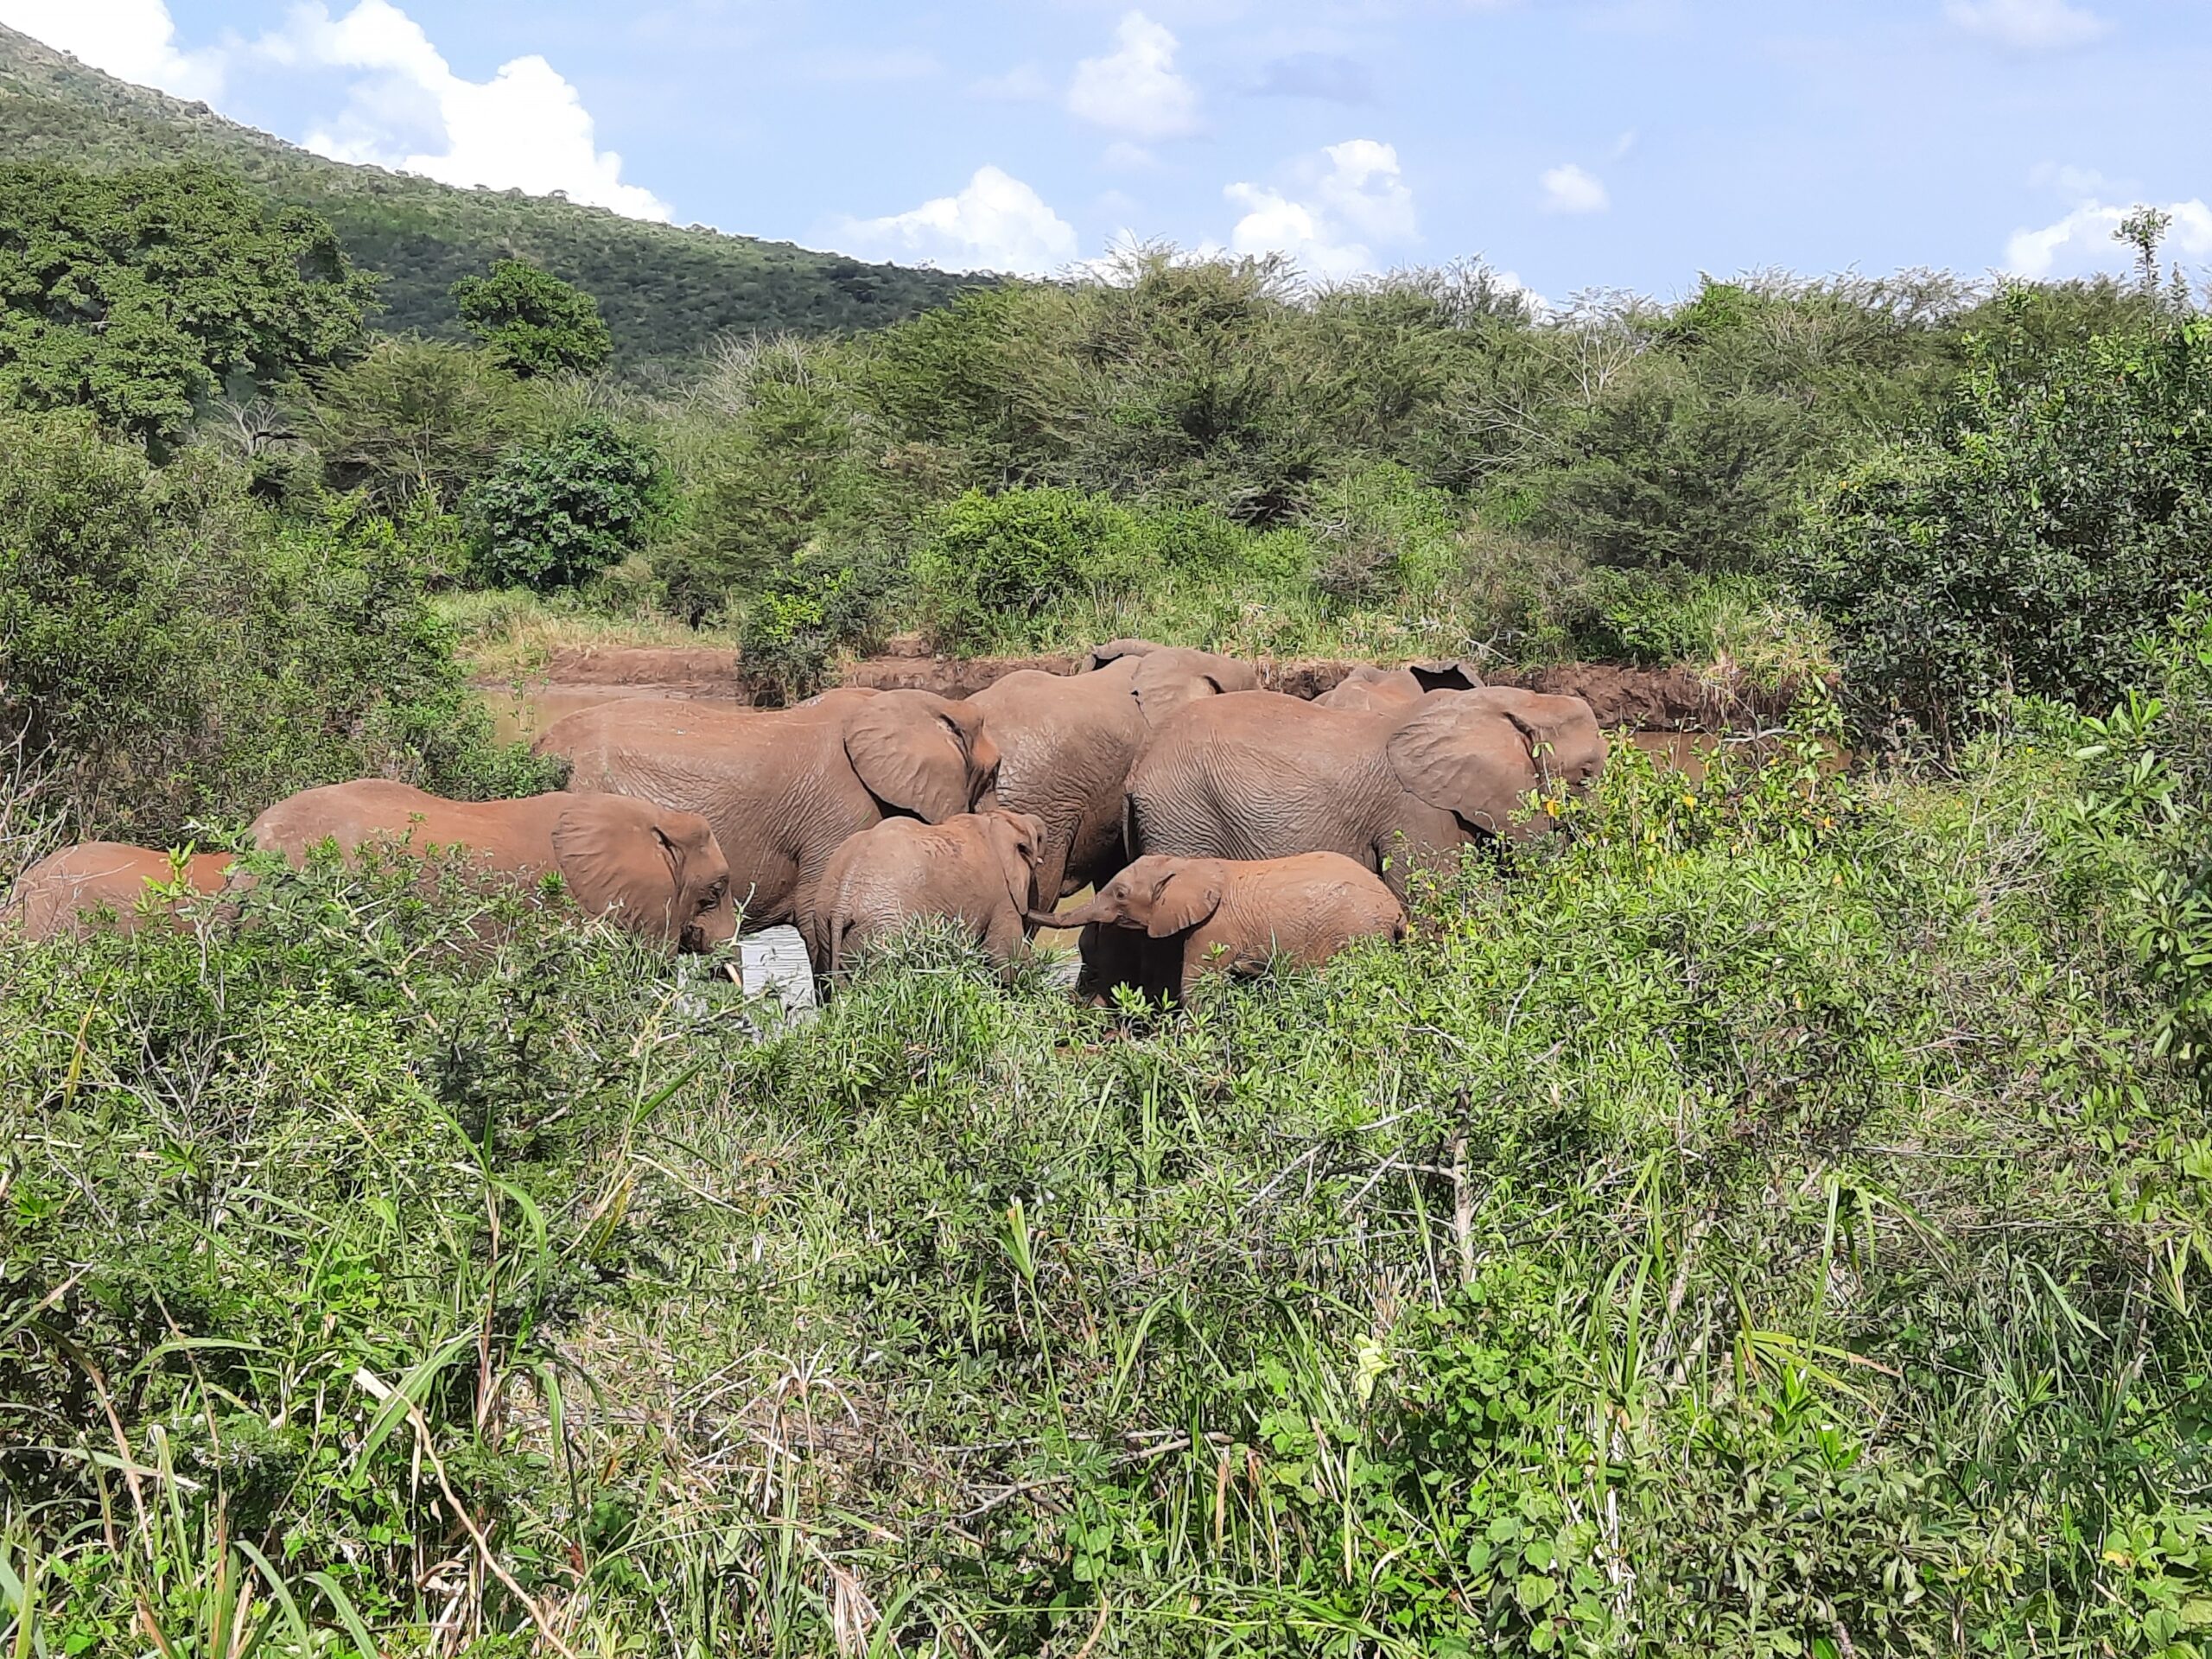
(531, 321)
(137, 295)
(168, 650)
(2029, 539)
(556, 516)
(415, 419)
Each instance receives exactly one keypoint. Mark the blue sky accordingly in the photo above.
(1576, 144)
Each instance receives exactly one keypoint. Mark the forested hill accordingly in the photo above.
(664, 291)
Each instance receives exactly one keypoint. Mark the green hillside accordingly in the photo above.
(664, 291)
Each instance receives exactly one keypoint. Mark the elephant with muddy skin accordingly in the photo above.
(1066, 743)
(979, 870)
(108, 883)
(1371, 691)
(784, 789)
(1162, 923)
(1261, 775)
(657, 870)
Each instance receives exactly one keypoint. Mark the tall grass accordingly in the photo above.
(1760, 1227)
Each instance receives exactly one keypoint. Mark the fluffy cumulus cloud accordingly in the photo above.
(1338, 206)
(131, 40)
(1135, 89)
(996, 223)
(1571, 189)
(2083, 242)
(524, 129)
(2028, 25)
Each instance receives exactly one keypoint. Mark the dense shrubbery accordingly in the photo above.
(2032, 535)
(168, 650)
(557, 516)
(1771, 1219)
(138, 296)
(1762, 1225)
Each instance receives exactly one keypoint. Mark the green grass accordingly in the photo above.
(1761, 1227)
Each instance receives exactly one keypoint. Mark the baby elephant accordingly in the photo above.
(64, 896)
(662, 872)
(1163, 922)
(978, 869)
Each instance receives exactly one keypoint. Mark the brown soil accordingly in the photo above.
(1673, 699)
(673, 665)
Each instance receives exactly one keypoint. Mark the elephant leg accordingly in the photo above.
(1003, 937)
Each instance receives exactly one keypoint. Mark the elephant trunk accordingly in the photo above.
(1082, 917)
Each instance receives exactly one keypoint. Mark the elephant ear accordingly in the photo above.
(911, 758)
(1184, 898)
(1445, 677)
(1456, 754)
(1018, 838)
(1114, 650)
(615, 857)
(1165, 680)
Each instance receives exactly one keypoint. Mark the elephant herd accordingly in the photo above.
(1221, 825)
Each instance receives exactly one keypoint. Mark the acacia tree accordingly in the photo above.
(531, 321)
(138, 295)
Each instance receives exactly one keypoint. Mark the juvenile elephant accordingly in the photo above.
(1370, 690)
(660, 870)
(1067, 742)
(1261, 775)
(784, 789)
(1163, 922)
(979, 869)
(67, 894)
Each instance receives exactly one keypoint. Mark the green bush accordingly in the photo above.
(803, 614)
(171, 650)
(531, 321)
(415, 419)
(992, 563)
(2028, 540)
(557, 516)
(1382, 533)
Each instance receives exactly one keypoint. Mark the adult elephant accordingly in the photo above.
(1369, 690)
(658, 870)
(784, 788)
(1261, 775)
(107, 883)
(1067, 742)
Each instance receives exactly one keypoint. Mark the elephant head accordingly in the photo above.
(1166, 678)
(662, 870)
(1479, 754)
(920, 755)
(1114, 650)
(1157, 896)
(1018, 841)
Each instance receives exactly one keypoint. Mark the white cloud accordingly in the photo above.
(2077, 184)
(1135, 89)
(997, 223)
(1023, 84)
(1569, 189)
(2082, 241)
(131, 40)
(524, 129)
(2028, 25)
(1352, 191)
